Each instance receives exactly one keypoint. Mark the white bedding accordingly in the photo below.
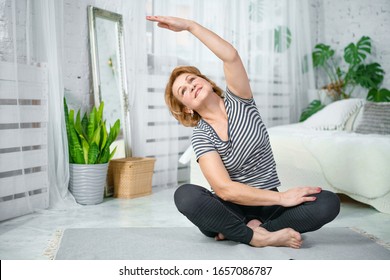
(344, 162)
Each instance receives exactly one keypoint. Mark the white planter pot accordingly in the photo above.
(87, 182)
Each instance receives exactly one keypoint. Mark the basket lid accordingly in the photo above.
(132, 159)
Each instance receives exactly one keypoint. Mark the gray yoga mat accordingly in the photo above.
(187, 243)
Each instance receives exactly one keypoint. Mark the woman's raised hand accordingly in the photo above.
(171, 23)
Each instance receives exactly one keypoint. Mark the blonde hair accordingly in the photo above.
(176, 108)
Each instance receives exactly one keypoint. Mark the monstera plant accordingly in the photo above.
(344, 77)
(89, 145)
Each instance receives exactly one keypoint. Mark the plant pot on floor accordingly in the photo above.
(87, 182)
(89, 145)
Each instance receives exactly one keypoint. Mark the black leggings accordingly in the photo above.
(212, 215)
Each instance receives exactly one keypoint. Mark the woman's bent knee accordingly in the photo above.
(188, 197)
(329, 205)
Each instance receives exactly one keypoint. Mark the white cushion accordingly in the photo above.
(186, 156)
(335, 115)
(353, 120)
(196, 175)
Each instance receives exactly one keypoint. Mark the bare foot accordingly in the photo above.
(253, 224)
(219, 237)
(282, 238)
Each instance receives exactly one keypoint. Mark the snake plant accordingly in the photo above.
(88, 139)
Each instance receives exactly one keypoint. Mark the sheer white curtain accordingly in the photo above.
(50, 15)
(296, 66)
(33, 155)
(15, 193)
(23, 115)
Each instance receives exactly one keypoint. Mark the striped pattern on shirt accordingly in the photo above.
(247, 155)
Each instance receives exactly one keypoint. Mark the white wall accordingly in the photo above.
(339, 22)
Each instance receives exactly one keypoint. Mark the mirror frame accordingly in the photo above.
(93, 13)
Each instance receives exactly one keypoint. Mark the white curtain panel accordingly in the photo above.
(49, 16)
(33, 154)
(23, 115)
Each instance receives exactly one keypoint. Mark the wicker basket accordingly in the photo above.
(131, 177)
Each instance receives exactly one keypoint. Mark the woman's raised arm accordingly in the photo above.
(235, 73)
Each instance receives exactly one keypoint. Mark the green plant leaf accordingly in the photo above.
(93, 153)
(104, 155)
(282, 38)
(313, 108)
(113, 134)
(112, 154)
(85, 146)
(364, 44)
(321, 54)
(91, 124)
(78, 126)
(69, 132)
(355, 54)
(115, 129)
(99, 114)
(340, 73)
(103, 136)
(96, 136)
(378, 95)
(66, 114)
(75, 149)
(84, 124)
(369, 76)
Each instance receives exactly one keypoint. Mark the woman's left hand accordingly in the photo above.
(298, 195)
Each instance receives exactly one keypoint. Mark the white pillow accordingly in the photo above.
(186, 156)
(353, 120)
(335, 115)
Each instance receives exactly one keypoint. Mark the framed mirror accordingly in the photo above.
(109, 72)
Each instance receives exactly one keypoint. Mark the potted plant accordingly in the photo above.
(343, 81)
(89, 153)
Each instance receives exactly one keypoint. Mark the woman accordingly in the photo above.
(233, 150)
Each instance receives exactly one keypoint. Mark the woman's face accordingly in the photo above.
(191, 90)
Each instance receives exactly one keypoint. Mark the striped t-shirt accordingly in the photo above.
(247, 155)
